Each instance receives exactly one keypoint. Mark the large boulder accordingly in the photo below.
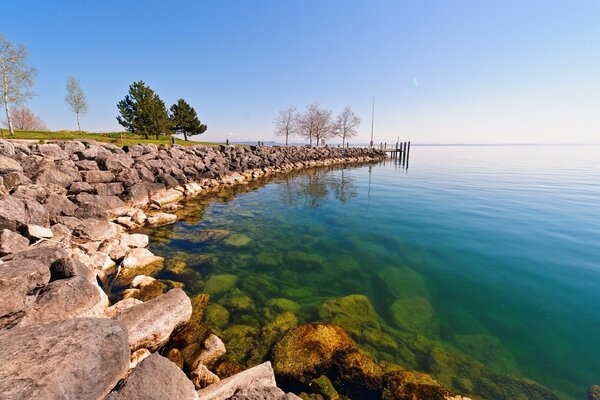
(20, 280)
(150, 324)
(9, 165)
(155, 378)
(53, 176)
(18, 212)
(64, 299)
(95, 230)
(308, 351)
(80, 358)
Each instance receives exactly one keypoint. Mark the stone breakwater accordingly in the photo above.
(66, 213)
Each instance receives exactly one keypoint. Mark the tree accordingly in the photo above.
(346, 125)
(76, 99)
(143, 112)
(185, 120)
(315, 123)
(286, 123)
(23, 119)
(16, 76)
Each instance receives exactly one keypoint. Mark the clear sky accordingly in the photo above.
(441, 71)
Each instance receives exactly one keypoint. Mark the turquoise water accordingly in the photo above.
(492, 253)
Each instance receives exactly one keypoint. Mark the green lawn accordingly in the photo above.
(116, 138)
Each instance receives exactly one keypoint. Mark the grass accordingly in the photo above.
(116, 138)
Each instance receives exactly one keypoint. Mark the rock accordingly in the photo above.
(50, 151)
(8, 165)
(160, 219)
(95, 230)
(175, 356)
(108, 189)
(36, 232)
(214, 348)
(155, 378)
(118, 308)
(218, 284)
(137, 357)
(80, 187)
(115, 162)
(237, 240)
(66, 298)
(134, 240)
(59, 205)
(358, 376)
(16, 213)
(142, 280)
(165, 197)
(69, 267)
(308, 351)
(594, 392)
(12, 242)
(409, 385)
(323, 386)
(138, 261)
(262, 393)
(415, 314)
(259, 376)
(353, 313)
(150, 324)
(106, 203)
(97, 176)
(216, 316)
(14, 179)
(20, 280)
(80, 358)
(201, 377)
(53, 176)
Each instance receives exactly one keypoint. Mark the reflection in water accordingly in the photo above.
(318, 185)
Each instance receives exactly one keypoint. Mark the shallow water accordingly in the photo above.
(489, 252)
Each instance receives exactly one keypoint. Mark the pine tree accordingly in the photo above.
(185, 120)
(143, 112)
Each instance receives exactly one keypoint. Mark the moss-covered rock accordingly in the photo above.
(303, 260)
(353, 313)
(280, 304)
(216, 317)
(402, 282)
(175, 356)
(226, 367)
(149, 291)
(358, 376)
(485, 348)
(237, 240)
(237, 301)
(219, 284)
(415, 314)
(270, 333)
(308, 351)
(323, 386)
(240, 340)
(269, 259)
(411, 385)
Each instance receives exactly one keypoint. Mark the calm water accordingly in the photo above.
(488, 252)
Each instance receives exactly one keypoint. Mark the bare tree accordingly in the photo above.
(315, 123)
(286, 123)
(16, 76)
(76, 99)
(25, 120)
(346, 125)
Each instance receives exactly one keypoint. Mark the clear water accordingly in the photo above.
(502, 244)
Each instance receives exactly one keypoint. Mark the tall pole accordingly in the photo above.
(372, 120)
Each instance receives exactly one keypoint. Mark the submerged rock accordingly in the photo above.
(353, 313)
(415, 314)
(411, 385)
(201, 377)
(358, 376)
(155, 378)
(79, 358)
(218, 284)
(237, 240)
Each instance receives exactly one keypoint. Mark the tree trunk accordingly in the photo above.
(286, 140)
(309, 140)
(10, 127)
(185, 136)
(343, 140)
(78, 125)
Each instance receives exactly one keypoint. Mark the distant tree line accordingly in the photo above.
(142, 111)
(316, 124)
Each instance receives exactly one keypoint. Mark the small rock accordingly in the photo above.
(260, 376)
(137, 357)
(134, 240)
(159, 219)
(202, 377)
(36, 232)
(141, 280)
(214, 348)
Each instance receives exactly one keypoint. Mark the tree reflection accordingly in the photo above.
(315, 186)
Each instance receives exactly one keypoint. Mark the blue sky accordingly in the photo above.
(441, 71)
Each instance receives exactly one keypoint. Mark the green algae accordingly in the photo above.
(219, 284)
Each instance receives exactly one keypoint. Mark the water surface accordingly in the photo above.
(488, 252)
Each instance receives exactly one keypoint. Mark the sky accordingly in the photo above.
(497, 71)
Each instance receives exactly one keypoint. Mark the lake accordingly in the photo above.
(473, 255)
